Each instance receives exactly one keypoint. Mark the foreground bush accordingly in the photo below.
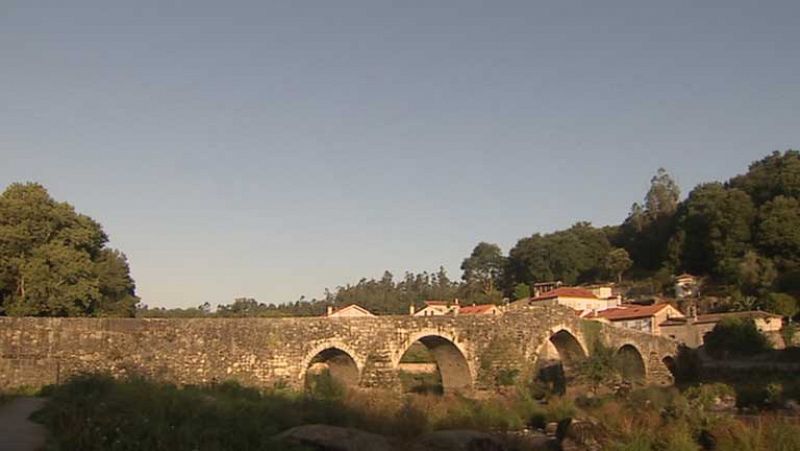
(98, 413)
(735, 337)
(94, 412)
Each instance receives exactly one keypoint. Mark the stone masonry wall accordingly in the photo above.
(266, 352)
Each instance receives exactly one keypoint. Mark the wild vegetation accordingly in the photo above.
(94, 412)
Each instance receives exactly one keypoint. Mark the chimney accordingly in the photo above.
(455, 301)
(329, 310)
(411, 310)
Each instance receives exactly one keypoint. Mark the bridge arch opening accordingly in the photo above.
(434, 364)
(331, 365)
(630, 363)
(557, 360)
(568, 347)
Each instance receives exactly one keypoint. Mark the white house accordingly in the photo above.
(351, 311)
(436, 308)
(575, 298)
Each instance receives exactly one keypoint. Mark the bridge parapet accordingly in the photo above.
(471, 351)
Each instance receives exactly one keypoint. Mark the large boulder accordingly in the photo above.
(457, 440)
(320, 437)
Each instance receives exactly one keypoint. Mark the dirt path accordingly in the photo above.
(17, 433)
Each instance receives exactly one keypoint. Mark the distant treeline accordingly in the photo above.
(742, 236)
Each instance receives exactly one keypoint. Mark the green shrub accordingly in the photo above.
(642, 441)
(735, 337)
(325, 386)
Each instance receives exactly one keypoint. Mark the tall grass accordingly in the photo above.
(94, 412)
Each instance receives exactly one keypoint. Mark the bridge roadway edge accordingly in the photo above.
(267, 352)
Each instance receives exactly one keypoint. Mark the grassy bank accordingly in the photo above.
(98, 413)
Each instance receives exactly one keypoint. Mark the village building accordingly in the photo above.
(691, 330)
(575, 298)
(686, 286)
(543, 287)
(350, 311)
(435, 308)
(644, 318)
(604, 291)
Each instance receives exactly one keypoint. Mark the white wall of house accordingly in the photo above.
(585, 303)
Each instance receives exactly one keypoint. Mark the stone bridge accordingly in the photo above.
(471, 352)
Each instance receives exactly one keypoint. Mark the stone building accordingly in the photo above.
(578, 299)
(691, 330)
(644, 318)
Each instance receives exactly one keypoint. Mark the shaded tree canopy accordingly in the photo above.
(778, 174)
(53, 260)
(717, 224)
(483, 269)
(735, 337)
(617, 262)
(573, 255)
(646, 231)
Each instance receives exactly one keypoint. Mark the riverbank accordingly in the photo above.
(98, 413)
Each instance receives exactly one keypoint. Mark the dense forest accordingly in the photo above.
(742, 236)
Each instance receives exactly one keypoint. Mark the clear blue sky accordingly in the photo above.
(272, 150)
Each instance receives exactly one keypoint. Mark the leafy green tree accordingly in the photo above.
(782, 304)
(53, 261)
(778, 229)
(735, 337)
(716, 223)
(617, 262)
(756, 274)
(662, 197)
(522, 291)
(600, 367)
(572, 255)
(777, 174)
(484, 267)
(115, 283)
(645, 233)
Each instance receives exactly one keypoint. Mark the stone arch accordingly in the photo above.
(451, 360)
(337, 360)
(631, 363)
(557, 357)
(567, 345)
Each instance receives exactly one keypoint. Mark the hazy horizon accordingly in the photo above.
(266, 151)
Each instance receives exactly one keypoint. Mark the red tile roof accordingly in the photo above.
(476, 309)
(629, 312)
(565, 292)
